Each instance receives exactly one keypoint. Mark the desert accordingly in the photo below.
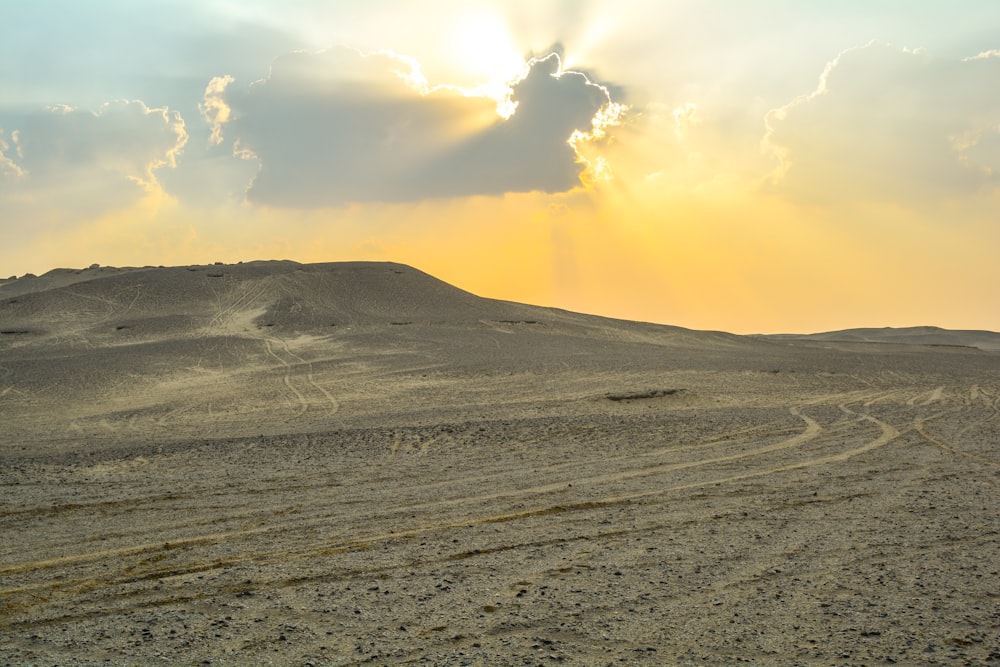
(357, 463)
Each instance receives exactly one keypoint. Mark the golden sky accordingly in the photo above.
(748, 167)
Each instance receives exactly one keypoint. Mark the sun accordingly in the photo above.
(481, 47)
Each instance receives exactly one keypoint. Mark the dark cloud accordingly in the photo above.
(339, 126)
(891, 124)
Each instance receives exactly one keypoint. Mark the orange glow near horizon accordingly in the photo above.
(698, 263)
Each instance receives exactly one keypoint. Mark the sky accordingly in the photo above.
(757, 166)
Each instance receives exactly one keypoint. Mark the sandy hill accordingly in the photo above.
(216, 298)
(125, 305)
(984, 340)
(137, 342)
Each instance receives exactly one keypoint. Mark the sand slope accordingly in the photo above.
(359, 464)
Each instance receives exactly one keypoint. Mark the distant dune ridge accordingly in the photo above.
(984, 340)
(343, 463)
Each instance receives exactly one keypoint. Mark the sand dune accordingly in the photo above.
(357, 463)
(984, 340)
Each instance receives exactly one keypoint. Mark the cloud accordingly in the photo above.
(890, 124)
(7, 166)
(992, 53)
(339, 126)
(214, 108)
(71, 161)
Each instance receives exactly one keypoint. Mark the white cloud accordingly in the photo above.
(890, 124)
(72, 161)
(214, 108)
(339, 126)
(992, 53)
(7, 166)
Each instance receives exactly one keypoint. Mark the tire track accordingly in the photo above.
(988, 400)
(245, 299)
(305, 545)
(11, 389)
(310, 378)
(919, 427)
(968, 406)
(362, 543)
(928, 398)
(810, 432)
(287, 378)
(291, 361)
